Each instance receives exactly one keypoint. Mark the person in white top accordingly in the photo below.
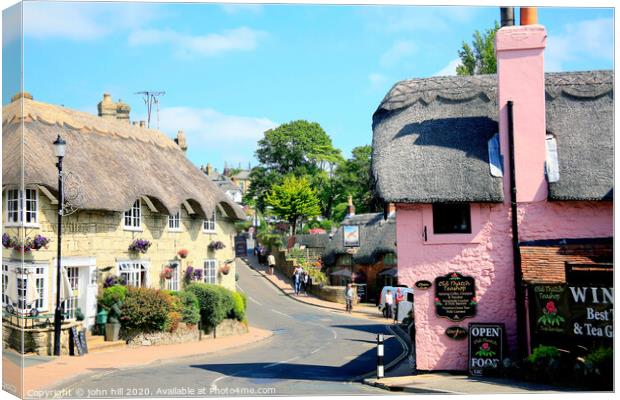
(271, 261)
(389, 301)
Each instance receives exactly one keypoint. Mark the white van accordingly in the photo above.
(404, 306)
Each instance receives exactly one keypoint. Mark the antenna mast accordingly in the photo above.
(151, 98)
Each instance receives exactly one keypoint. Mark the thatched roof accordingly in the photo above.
(116, 162)
(430, 138)
(377, 237)
(317, 241)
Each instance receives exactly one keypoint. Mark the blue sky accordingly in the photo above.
(232, 71)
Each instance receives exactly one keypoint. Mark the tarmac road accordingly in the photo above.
(313, 351)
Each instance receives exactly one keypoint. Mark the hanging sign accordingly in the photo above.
(423, 285)
(455, 297)
(456, 332)
(486, 347)
(351, 235)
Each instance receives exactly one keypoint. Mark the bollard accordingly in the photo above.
(379, 355)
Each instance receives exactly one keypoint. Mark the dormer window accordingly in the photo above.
(208, 225)
(174, 222)
(22, 207)
(132, 217)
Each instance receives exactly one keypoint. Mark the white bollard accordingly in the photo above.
(379, 355)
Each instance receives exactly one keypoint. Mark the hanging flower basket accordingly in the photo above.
(29, 244)
(139, 246)
(192, 275)
(167, 273)
(216, 245)
(183, 253)
(225, 269)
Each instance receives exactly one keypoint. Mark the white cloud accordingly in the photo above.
(83, 21)
(400, 49)
(589, 39)
(449, 69)
(377, 80)
(416, 18)
(240, 39)
(211, 133)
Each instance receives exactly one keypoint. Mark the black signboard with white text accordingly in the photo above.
(455, 296)
(486, 347)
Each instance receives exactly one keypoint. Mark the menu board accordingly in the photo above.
(486, 347)
(455, 297)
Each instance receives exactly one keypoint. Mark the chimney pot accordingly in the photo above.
(350, 207)
(181, 141)
(142, 123)
(529, 16)
(507, 16)
(20, 95)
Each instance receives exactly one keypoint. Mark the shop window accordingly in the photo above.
(451, 218)
(134, 272)
(22, 273)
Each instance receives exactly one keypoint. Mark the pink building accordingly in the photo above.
(442, 152)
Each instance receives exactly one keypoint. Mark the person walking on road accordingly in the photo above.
(297, 277)
(348, 297)
(397, 299)
(271, 261)
(389, 301)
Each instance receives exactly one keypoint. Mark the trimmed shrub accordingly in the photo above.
(146, 310)
(186, 303)
(111, 295)
(239, 303)
(227, 302)
(211, 302)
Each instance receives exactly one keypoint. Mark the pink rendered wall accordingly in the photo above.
(488, 257)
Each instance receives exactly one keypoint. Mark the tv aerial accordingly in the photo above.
(151, 98)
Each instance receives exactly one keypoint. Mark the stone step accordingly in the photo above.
(97, 343)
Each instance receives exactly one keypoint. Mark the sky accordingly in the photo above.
(230, 72)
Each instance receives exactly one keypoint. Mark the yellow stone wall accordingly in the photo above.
(101, 235)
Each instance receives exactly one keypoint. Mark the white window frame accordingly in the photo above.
(19, 209)
(36, 271)
(132, 270)
(174, 282)
(134, 216)
(209, 225)
(210, 271)
(174, 222)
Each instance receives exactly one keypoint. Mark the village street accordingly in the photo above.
(313, 351)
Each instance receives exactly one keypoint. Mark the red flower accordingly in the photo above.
(551, 307)
(454, 275)
(436, 299)
(485, 346)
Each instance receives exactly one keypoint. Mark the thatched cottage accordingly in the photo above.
(125, 182)
(504, 183)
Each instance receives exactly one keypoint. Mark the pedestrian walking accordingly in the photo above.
(389, 301)
(271, 261)
(304, 282)
(297, 277)
(348, 297)
(397, 299)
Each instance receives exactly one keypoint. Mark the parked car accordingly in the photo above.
(404, 306)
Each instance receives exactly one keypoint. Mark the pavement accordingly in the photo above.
(311, 351)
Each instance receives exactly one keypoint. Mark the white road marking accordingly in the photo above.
(281, 313)
(315, 350)
(253, 300)
(280, 362)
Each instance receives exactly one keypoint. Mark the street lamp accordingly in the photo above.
(59, 152)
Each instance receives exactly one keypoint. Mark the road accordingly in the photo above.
(313, 351)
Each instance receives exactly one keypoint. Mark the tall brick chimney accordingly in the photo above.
(521, 79)
(350, 207)
(106, 107)
(180, 140)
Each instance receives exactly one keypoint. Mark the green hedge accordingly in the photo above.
(186, 303)
(146, 310)
(217, 303)
(111, 295)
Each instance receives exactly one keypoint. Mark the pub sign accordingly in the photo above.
(455, 297)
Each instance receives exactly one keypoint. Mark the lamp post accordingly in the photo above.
(59, 151)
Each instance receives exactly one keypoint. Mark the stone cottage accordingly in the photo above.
(501, 181)
(125, 182)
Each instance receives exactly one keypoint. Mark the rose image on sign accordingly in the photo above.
(485, 351)
(550, 315)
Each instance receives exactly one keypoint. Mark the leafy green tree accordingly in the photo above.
(354, 177)
(479, 58)
(300, 148)
(294, 200)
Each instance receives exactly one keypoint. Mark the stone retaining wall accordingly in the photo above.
(38, 340)
(187, 333)
(334, 294)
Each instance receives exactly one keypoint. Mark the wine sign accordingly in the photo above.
(423, 285)
(455, 297)
(456, 332)
(486, 347)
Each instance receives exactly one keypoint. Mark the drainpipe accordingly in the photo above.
(516, 254)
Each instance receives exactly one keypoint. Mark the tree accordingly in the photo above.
(294, 200)
(354, 177)
(300, 148)
(481, 58)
